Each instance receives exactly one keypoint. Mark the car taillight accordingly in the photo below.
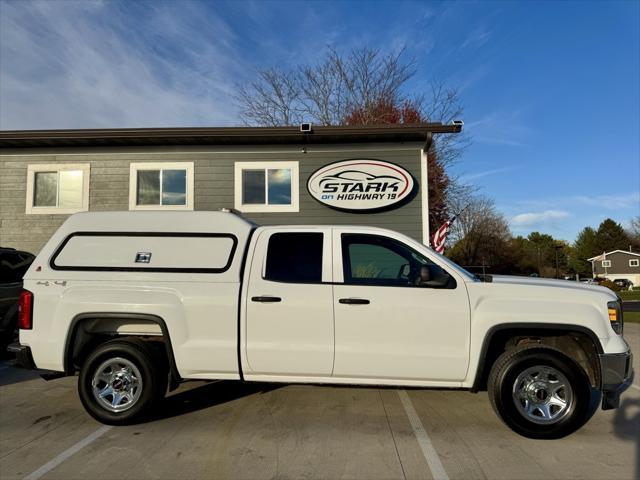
(25, 310)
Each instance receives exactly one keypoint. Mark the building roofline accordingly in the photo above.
(222, 135)
(613, 251)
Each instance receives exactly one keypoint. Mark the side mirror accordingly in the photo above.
(435, 278)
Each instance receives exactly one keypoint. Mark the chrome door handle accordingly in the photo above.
(354, 301)
(266, 299)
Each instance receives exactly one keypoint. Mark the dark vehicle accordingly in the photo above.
(623, 283)
(13, 266)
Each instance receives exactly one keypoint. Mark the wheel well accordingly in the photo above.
(87, 331)
(576, 344)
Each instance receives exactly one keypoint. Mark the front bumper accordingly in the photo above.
(617, 374)
(24, 359)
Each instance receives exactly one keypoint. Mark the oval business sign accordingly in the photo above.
(361, 185)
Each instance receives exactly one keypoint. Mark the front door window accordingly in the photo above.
(383, 261)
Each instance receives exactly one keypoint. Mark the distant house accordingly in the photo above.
(617, 264)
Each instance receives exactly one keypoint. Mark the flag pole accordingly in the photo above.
(439, 237)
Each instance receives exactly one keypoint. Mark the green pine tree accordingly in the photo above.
(585, 246)
(611, 236)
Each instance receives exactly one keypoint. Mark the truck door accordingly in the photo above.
(398, 315)
(289, 304)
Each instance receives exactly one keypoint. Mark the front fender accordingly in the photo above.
(581, 313)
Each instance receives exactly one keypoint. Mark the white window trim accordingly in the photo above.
(634, 263)
(133, 184)
(295, 186)
(32, 169)
(606, 263)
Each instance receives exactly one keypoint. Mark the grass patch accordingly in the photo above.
(631, 317)
(630, 295)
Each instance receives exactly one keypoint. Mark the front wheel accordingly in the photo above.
(120, 382)
(539, 392)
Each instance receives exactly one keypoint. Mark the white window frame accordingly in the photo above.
(606, 263)
(134, 167)
(634, 262)
(295, 187)
(32, 169)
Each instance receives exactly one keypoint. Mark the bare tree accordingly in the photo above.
(363, 87)
(634, 233)
(325, 93)
(271, 100)
(443, 104)
(480, 235)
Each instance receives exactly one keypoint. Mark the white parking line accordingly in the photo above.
(428, 450)
(51, 464)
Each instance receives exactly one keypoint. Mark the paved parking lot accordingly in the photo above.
(231, 430)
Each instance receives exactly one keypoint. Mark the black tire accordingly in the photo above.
(153, 370)
(501, 386)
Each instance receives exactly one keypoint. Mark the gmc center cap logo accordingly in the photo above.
(361, 185)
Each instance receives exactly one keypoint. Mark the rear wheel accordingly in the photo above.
(539, 392)
(122, 380)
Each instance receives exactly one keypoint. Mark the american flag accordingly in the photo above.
(440, 237)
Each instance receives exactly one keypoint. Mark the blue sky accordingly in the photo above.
(551, 89)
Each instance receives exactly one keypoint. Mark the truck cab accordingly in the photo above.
(352, 303)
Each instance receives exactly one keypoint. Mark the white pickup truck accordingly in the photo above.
(139, 301)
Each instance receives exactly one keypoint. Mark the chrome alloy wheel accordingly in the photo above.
(117, 384)
(542, 395)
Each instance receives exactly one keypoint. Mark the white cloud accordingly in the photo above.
(91, 65)
(539, 219)
(628, 200)
(501, 128)
(619, 201)
(477, 38)
(494, 171)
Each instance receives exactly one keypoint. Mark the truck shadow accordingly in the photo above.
(626, 426)
(208, 395)
(9, 374)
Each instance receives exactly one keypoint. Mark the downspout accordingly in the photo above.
(424, 189)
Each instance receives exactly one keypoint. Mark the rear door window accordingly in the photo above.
(295, 257)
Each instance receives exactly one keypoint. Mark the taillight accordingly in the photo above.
(25, 310)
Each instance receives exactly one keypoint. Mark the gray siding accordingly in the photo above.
(214, 185)
(619, 264)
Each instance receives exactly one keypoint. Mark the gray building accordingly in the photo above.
(617, 264)
(328, 175)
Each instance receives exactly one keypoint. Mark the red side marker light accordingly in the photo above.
(25, 310)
